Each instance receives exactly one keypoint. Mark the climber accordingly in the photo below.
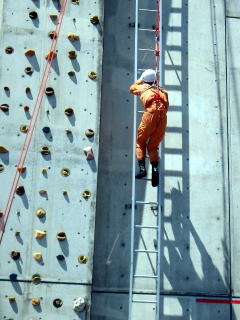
(153, 124)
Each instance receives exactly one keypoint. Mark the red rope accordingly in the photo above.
(157, 38)
(32, 125)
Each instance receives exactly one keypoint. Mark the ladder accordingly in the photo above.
(135, 252)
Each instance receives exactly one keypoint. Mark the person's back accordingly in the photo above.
(153, 123)
(149, 93)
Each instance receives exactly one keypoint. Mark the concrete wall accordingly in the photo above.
(234, 142)
(199, 166)
(199, 220)
(233, 8)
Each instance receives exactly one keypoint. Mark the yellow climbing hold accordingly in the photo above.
(24, 128)
(72, 54)
(53, 16)
(65, 172)
(42, 191)
(61, 236)
(35, 301)
(29, 52)
(69, 112)
(50, 55)
(39, 234)
(45, 150)
(86, 194)
(73, 36)
(40, 213)
(3, 149)
(82, 259)
(94, 20)
(92, 75)
(36, 277)
(37, 256)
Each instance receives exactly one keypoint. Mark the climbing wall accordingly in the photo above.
(46, 252)
(200, 218)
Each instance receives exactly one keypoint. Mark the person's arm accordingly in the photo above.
(137, 87)
(164, 95)
(165, 92)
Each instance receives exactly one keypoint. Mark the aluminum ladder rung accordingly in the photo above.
(146, 49)
(146, 251)
(145, 301)
(147, 202)
(140, 69)
(148, 30)
(146, 227)
(148, 10)
(144, 276)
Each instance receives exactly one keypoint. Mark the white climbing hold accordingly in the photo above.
(79, 304)
(89, 153)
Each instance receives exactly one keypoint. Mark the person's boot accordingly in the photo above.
(142, 170)
(155, 174)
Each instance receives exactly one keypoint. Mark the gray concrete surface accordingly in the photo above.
(199, 168)
(109, 306)
(234, 143)
(233, 8)
(195, 179)
(189, 178)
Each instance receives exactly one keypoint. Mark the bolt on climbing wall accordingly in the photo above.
(47, 247)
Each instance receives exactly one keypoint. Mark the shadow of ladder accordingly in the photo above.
(175, 61)
(157, 204)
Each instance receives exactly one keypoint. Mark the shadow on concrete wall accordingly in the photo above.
(179, 268)
(112, 236)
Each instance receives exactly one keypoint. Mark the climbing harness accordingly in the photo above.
(155, 97)
(32, 125)
(155, 206)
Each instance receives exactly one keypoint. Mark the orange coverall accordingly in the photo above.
(154, 120)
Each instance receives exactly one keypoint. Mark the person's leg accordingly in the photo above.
(142, 169)
(153, 145)
(144, 132)
(159, 123)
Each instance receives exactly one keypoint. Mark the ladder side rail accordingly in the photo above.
(160, 211)
(133, 167)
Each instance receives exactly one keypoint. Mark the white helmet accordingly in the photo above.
(148, 75)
